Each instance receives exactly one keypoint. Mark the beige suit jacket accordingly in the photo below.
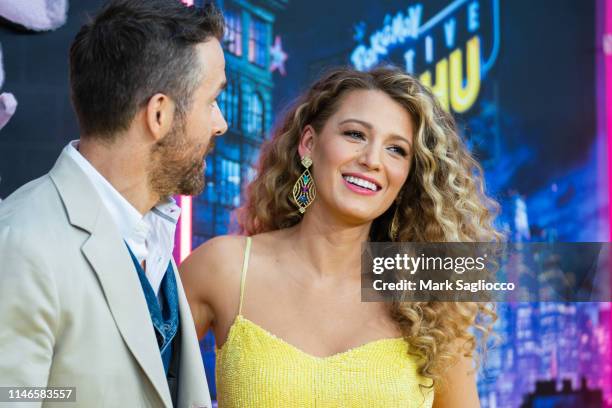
(72, 310)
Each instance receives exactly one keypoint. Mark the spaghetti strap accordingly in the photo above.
(245, 266)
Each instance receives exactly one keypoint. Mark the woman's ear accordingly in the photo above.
(159, 115)
(307, 141)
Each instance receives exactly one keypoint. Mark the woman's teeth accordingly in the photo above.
(361, 183)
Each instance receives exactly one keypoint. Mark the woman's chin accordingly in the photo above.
(358, 216)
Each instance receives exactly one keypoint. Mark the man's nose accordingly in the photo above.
(220, 124)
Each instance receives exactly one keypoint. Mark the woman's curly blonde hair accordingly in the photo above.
(443, 200)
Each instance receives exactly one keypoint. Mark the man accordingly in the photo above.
(89, 295)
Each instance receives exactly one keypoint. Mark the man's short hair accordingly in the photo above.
(131, 50)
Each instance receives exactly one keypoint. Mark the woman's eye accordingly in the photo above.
(399, 150)
(355, 134)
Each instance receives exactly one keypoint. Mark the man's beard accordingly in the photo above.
(173, 170)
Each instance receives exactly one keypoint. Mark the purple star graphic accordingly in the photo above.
(278, 56)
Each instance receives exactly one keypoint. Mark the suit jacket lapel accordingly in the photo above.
(109, 258)
(193, 387)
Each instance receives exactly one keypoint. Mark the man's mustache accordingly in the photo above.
(211, 145)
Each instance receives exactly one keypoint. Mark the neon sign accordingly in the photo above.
(453, 72)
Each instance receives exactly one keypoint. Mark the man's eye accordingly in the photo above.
(354, 134)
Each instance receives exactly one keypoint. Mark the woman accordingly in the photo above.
(360, 157)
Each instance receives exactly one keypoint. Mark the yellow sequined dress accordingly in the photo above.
(254, 368)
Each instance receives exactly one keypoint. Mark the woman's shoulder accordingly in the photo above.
(214, 265)
(222, 251)
(222, 257)
(272, 239)
(218, 246)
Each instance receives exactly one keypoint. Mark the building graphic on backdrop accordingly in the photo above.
(252, 55)
(247, 106)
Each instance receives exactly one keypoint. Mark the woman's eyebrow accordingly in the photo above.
(361, 122)
(399, 137)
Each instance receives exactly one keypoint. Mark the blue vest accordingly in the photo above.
(165, 318)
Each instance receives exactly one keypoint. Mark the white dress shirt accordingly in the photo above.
(150, 237)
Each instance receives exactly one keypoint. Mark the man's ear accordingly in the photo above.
(307, 141)
(160, 115)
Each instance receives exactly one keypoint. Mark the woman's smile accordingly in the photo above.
(361, 184)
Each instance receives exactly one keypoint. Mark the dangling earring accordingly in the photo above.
(304, 191)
